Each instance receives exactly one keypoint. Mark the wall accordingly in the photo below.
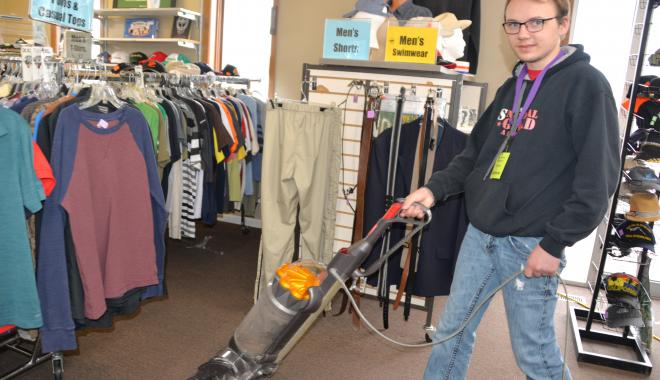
(495, 56)
(11, 30)
(300, 39)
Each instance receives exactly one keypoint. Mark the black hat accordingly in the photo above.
(650, 148)
(153, 66)
(623, 311)
(137, 56)
(230, 71)
(116, 69)
(630, 234)
(204, 68)
(648, 115)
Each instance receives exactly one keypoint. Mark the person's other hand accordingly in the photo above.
(541, 263)
(422, 195)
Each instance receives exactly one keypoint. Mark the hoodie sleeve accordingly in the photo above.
(449, 181)
(595, 137)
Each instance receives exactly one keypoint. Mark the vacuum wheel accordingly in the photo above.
(58, 369)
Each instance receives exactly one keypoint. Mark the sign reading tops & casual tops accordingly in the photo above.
(74, 14)
(346, 39)
(410, 44)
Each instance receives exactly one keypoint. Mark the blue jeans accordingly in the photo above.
(484, 262)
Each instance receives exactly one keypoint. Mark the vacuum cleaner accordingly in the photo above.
(293, 300)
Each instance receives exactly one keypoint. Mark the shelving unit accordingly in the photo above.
(112, 29)
(629, 338)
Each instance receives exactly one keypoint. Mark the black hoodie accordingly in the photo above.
(564, 165)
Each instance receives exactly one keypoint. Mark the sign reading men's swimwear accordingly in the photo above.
(74, 14)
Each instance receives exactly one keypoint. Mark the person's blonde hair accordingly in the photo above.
(563, 6)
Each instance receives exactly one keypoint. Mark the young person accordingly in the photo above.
(532, 187)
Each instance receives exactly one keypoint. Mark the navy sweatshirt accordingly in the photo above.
(563, 166)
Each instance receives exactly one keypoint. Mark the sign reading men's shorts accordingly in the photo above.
(346, 39)
(410, 44)
(74, 14)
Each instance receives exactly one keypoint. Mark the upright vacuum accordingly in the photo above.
(293, 300)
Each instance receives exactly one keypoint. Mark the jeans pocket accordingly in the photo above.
(523, 245)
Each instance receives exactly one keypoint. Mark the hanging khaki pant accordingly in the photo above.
(300, 168)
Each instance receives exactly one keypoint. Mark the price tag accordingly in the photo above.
(410, 44)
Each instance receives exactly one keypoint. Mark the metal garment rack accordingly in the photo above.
(642, 363)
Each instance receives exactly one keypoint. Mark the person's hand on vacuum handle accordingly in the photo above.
(422, 195)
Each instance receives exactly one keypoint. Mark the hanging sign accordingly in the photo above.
(410, 44)
(346, 39)
(74, 14)
(77, 45)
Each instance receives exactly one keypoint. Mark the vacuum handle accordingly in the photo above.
(393, 215)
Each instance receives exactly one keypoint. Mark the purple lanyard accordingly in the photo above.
(520, 115)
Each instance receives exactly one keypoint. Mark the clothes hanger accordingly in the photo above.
(102, 93)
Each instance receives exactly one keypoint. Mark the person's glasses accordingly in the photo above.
(534, 25)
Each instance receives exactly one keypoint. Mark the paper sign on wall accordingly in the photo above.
(346, 39)
(74, 14)
(77, 45)
(410, 44)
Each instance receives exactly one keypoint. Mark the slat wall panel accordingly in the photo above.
(332, 87)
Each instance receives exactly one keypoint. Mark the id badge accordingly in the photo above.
(499, 166)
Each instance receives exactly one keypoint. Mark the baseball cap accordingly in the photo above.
(152, 66)
(650, 148)
(622, 284)
(179, 67)
(116, 69)
(119, 56)
(104, 57)
(642, 178)
(631, 162)
(623, 311)
(654, 59)
(375, 7)
(137, 56)
(230, 71)
(204, 68)
(158, 56)
(631, 234)
(177, 57)
(648, 115)
(643, 208)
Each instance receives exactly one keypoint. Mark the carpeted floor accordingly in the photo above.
(211, 290)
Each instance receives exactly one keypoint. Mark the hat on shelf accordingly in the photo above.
(230, 71)
(374, 7)
(104, 57)
(641, 179)
(152, 66)
(643, 208)
(158, 56)
(623, 311)
(648, 115)
(116, 69)
(137, 56)
(204, 68)
(622, 284)
(650, 148)
(632, 162)
(176, 57)
(119, 56)
(631, 234)
(449, 23)
(654, 59)
(178, 67)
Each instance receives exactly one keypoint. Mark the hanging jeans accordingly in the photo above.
(484, 262)
(300, 168)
